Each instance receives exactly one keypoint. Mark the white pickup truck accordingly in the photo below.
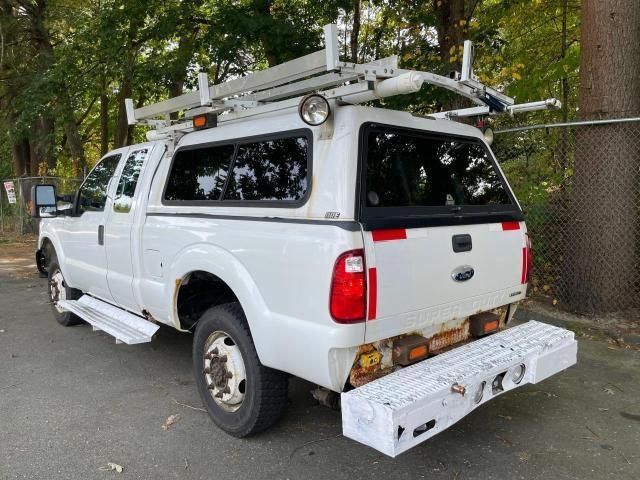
(358, 248)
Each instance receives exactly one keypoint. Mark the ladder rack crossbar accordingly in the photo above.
(284, 73)
(312, 84)
(281, 87)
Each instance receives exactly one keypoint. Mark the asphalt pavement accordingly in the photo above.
(72, 402)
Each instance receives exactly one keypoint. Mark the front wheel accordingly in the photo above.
(242, 396)
(59, 290)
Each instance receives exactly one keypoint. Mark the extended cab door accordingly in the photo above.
(83, 236)
(119, 228)
(443, 233)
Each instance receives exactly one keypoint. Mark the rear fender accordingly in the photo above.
(222, 264)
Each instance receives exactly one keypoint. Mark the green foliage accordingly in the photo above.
(6, 166)
(521, 48)
(100, 51)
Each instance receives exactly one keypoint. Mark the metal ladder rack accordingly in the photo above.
(282, 86)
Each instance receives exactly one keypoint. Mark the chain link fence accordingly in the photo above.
(15, 198)
(579, 185)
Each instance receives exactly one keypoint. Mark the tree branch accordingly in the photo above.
(87, 111)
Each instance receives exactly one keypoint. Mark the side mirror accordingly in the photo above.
(43, 201)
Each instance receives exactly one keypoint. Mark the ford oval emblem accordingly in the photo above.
(462, 274)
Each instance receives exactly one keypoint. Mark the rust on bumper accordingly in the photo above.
(448, 336)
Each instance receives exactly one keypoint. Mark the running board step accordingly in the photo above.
(124, 326)
(406, 407)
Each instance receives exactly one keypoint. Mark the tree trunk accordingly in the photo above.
(70, 127)
(42, 135)
(21, 158)
(355, 31)
(451, 28)
(452, 17)
(41, 41)
(563, 140)
(262, 10)
(104, 117)
(605, 256)
(122, 134)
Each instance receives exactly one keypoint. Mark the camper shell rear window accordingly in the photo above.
(411, 178)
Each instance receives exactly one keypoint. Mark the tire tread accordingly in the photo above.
(271, 385)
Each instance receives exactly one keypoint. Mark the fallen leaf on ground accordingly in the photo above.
(113, 467)
(171, 419)
(506, 441)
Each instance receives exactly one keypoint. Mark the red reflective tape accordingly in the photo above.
(390, 234)
(510, 226)
(373, 293)
(523, 278)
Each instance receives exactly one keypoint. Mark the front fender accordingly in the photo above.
(48, 232)
(224, 265)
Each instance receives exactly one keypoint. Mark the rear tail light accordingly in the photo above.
(348, 297)
(527, 263)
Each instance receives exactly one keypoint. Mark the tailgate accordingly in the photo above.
(424, 276)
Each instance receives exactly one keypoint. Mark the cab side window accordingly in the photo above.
(128, 181)
(199, 173)
(272, 170)
(93, 193)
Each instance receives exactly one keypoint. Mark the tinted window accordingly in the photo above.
(270, 170)
(199, 174)
(93, 194)
(128, 181)
(407, 169)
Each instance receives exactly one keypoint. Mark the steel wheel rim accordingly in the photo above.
(224, 371)
(57, 290)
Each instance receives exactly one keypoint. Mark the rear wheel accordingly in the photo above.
(242, 396)
(59, 290)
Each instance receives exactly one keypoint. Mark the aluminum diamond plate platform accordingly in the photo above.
(122, 325)
(399, 411)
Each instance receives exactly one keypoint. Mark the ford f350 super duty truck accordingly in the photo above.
(375, 253)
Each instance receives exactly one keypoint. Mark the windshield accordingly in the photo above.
(409, 172)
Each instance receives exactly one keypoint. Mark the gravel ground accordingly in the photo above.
(72, 401)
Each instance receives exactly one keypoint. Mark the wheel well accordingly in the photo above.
(198, 292)
(48, 250)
